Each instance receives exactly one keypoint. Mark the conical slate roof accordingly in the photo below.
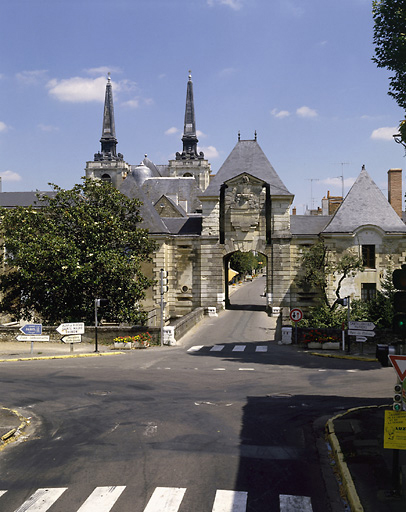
(365, 205)
(247, 156)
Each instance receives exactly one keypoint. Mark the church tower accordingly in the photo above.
(108, 165)
(190, 163)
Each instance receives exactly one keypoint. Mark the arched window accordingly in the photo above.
(106, 177)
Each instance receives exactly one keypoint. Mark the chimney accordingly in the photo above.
(294, 210)
(395, 190)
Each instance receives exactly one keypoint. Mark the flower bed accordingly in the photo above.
(317, 336)
(142, 340)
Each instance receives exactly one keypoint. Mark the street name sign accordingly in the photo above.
(31, 329)
(71, 328)
(366, 326)
(34, 337)
(72, 338)
(370, 334)
(360, 339)
(399, 363)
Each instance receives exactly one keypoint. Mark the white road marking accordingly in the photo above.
(165, 499)
(289, 503)
(239, 348)
(246, 369)
(102, 499)
(219, 369)
(217, 348)
(261, 348)
(230, 501)
(41, 500)
(2, 492)
(196, 348)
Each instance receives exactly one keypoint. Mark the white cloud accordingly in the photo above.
(200, 134)
(384, 133)
(10, 176)
(31, 77)
(77, 89)
(209, 152)
(3, 127)
(172, 131)
(234, 4)
(103, 70)
(280, 114)
(306, 112)
(337, 182)
(227, 72)
(48, 128)
(131, 103)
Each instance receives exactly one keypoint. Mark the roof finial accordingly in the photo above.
(363, 167)
(255, 135)
(108, 76)
(239, 136)
(190, 74)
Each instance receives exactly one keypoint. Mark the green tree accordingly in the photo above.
(318, 268)
(243, 262)
(71, 248)
(390, 48)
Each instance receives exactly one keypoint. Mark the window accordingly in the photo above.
(368, 291)
(368, 256)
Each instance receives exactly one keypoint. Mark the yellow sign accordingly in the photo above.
(395, 430)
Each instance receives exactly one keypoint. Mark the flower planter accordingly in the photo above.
(331, 345)
(314, 344)
(122, 346)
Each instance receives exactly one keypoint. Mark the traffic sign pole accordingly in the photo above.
(296, 315)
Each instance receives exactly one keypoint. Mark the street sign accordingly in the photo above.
(360, 339)
(366, 326)
(71, 328)
(399, 363)
(31, 329)
(296, 314)
(72, 338)
(370, 334)
(34, 337)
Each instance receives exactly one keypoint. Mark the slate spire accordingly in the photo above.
(108, 139)
(189, 138)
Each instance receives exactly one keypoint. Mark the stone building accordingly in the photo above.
(198, 220)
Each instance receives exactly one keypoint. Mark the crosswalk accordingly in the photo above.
(229, 348)
(163, 499)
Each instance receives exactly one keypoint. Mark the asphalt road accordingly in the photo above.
(191, 428)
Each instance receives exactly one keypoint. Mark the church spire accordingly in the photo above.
(108, 139)
(189, 138)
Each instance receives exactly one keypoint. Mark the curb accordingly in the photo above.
(348, 484)
(15, 433)
(338, 356)
(39, 358)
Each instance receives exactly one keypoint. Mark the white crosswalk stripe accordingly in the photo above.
(261, 348)
(102, 499)
(217, 348)
(239, 348)
(41, 500)
(289, 503)
(163, 499)
(230, 501)
(195, 348)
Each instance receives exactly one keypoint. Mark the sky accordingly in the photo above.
(298, 72)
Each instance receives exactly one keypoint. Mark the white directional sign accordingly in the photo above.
(22, 337)
(361, 333)
(72, 338)
(71, 328)
(359, 339)
(399, 363)
(366, 326)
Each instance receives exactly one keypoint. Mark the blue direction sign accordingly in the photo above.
(31, 329)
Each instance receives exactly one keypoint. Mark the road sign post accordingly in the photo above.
(296, 314)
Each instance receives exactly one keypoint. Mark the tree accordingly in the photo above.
(390, 48)
(243, 262)
(317, 268)
(71, 248)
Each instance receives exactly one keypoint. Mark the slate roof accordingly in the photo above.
(365, 205)
(183, 188)
(13, 199)
(150, 217)
(308, 224)
(247, 156)
(184, 226)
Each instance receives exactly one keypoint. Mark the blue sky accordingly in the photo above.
(299, 72)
